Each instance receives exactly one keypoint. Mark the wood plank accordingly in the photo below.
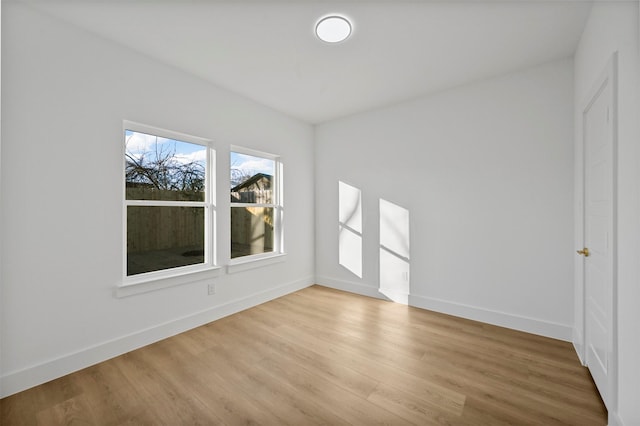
(322, 356)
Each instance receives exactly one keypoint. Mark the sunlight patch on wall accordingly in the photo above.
(394, 252)
(350, 228)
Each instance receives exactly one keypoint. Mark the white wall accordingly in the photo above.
(485, 171)
(612, 27)
(65, 94)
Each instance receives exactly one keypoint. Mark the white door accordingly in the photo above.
(599, 232)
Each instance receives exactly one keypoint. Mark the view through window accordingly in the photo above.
(255, 206)
(166, 202)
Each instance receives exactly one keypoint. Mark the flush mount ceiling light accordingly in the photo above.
(333, 29)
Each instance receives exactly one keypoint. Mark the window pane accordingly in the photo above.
(251, 179)
(163, 237)
(251, 230)
(158, 168)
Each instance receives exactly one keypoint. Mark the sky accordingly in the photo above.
(252, 165)
(138, 143)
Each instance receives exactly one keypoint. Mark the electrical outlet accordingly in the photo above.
(211, 289)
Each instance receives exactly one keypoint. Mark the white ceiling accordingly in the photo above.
(399, 50)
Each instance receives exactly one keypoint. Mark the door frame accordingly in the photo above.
(609, 74)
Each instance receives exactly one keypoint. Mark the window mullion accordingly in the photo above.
(210, 212)
(161, 203)
(253, 205)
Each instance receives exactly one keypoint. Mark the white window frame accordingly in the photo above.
(278, 254)
(182, 274)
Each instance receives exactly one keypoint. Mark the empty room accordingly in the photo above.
(320, 212)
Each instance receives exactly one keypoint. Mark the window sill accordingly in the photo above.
(244, 264)
(152, 283)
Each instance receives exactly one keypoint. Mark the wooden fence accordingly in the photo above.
(251, 230)
(161, 228)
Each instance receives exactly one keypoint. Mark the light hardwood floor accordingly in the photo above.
(321, 356)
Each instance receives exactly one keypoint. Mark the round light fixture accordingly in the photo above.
(333, 29)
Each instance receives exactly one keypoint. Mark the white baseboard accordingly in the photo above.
(578, 345)
(516, 322)
(614, 419)
(502, 319)
(18, 381)
(350, 286)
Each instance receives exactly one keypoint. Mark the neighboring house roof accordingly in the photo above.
(251, 181)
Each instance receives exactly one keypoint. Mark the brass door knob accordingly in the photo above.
(584, 252)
